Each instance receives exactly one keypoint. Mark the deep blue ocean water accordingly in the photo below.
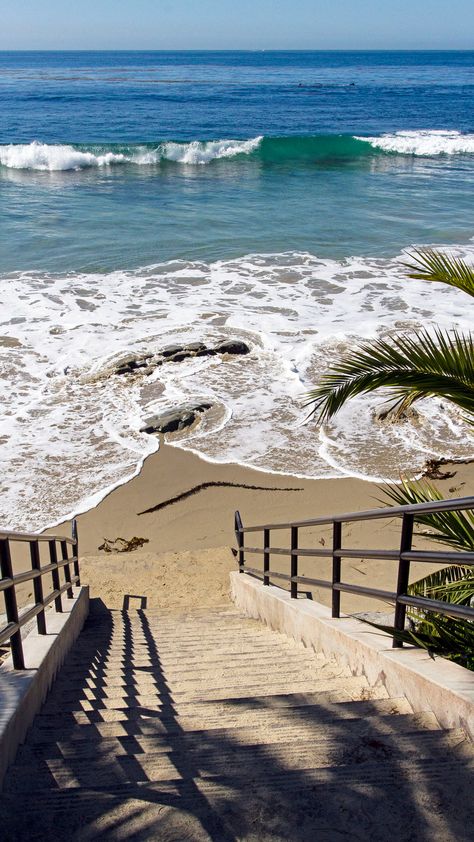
(312, 189)
(146, 197)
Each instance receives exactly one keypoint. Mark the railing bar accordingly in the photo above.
(55, 576)
(252, 570)
(54, 594)
(75, 558)
(284, 551)
(239, 534)
(284, 576)
(390, 555)
(306, 580)
(460, 557)
(31, 575)
(11, 606)
(67, 569)
(32, 536)
(459, 504)
(266, 557)
(374, 593)
(8, 631)
(466, 558)
(449, 609)
(38, 586)
(403, 575)
(336, 568)
(294, 562)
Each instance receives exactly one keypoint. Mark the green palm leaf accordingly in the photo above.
(453, 528)
(453, 640)
(413, 367)
(430, 265)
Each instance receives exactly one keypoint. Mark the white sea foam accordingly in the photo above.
(57, 157)
(66, 416)
(424, 143)
(198, 152)
(42, 156)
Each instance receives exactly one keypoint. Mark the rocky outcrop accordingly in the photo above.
(146, 363)
(174, 420)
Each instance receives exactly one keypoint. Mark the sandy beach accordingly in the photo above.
(187, 555)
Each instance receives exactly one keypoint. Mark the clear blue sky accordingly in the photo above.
(236, 24)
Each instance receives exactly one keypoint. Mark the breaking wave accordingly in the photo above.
(317, 148)
(424, 143)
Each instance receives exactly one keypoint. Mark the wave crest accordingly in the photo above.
(42, 156)
(198, 152)
(61, 157)
(424, 143)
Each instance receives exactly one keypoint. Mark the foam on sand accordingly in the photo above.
(69, 416)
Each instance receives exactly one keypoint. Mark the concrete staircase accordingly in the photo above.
(209, 726)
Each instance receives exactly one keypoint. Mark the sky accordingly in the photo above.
(236, 24)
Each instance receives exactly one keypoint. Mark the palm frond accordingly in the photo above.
(453, 640)
(431, 265)
(412, 366)
(453, 528)
(454, 584)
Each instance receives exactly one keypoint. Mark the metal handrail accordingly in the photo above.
(11, 631)
(461, 504)
(405, 554)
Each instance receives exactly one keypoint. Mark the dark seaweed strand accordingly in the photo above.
(204, 485)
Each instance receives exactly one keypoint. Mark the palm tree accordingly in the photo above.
(412, 367)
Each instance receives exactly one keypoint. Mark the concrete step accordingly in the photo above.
(205, 691)
(93, 676)
(330, 706)
(200, 644)
(216, 759)
(380, 800)
(354, 689)
(158, 682)
(308, 726)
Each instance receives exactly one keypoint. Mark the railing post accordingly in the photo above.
(294, 561)
(403, 574)
(266, 557)
(38, 586)
(55, 575)
(240, 540)
(336, 567)
(11, 606)
(67, 569)
(75, 537)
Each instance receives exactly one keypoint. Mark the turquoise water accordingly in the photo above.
(146, 197)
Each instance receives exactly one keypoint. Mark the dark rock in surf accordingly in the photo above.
(131, 363)
(174, 420)
(206, 352)
(232, 346)
(171, 350)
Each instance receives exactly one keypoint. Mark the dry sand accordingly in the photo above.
(188, 556)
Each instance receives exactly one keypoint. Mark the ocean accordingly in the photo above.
(149, 198)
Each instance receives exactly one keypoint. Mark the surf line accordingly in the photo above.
(197, 488)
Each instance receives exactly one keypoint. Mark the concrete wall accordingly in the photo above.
(436, 685)
(22, 692)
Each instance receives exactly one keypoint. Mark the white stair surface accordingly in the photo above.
(206, 725)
